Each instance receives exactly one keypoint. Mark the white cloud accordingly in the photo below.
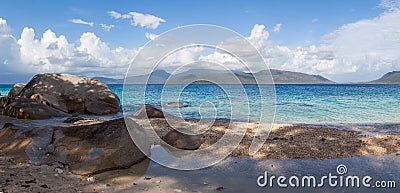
(277, 27)
(106, 27)
(139, 19)
(220, 57)
(80, 21)
(359, 51)
(146, 20)
(315, 20)
(151, 36)
(52, 53)
(371, 46)
(9, 54)
(390, 5)
(259, 36)
(117, 15)
(182, 57)
(4, 28)
(114, 14)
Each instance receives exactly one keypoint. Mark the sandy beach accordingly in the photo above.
(286, 141)
(299, 141)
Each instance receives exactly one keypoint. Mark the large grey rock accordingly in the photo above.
(187, 140)
(86, 149)
(71, 93)
(148, 111)
(3, 101)
(49, 101)
(14, 142)
(96, 148)
(24, 108)
(16, 89)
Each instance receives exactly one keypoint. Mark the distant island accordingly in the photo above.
(223, 77)
(389, 78)
(200, 76)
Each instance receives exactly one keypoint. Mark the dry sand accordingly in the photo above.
(299, 141)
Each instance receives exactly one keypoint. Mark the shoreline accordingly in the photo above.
(334, 125)
(300, 141)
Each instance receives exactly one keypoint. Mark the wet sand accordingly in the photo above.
(240, 175)
(232, 175)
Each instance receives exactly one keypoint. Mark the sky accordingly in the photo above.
(342, 40)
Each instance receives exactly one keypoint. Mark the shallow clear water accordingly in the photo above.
(294, 103)
(4, 89)
(345, 103)
(338, 103)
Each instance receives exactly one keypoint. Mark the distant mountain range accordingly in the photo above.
(157, 77)
(389, 78)
(109, 80)
(285, 77)
(223, 77)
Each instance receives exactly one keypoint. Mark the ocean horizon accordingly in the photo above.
(295, 103)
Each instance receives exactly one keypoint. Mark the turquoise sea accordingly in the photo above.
(311, 104)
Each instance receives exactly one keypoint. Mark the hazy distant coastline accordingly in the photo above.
(279, 77)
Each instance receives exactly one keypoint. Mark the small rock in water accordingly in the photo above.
(91, 179)
(44, 186)
(219, 188)
(148, 112)
(205, 183)
(177, 104)
(147, 178)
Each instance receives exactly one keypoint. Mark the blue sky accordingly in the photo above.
(303, 22)
(304, 28)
